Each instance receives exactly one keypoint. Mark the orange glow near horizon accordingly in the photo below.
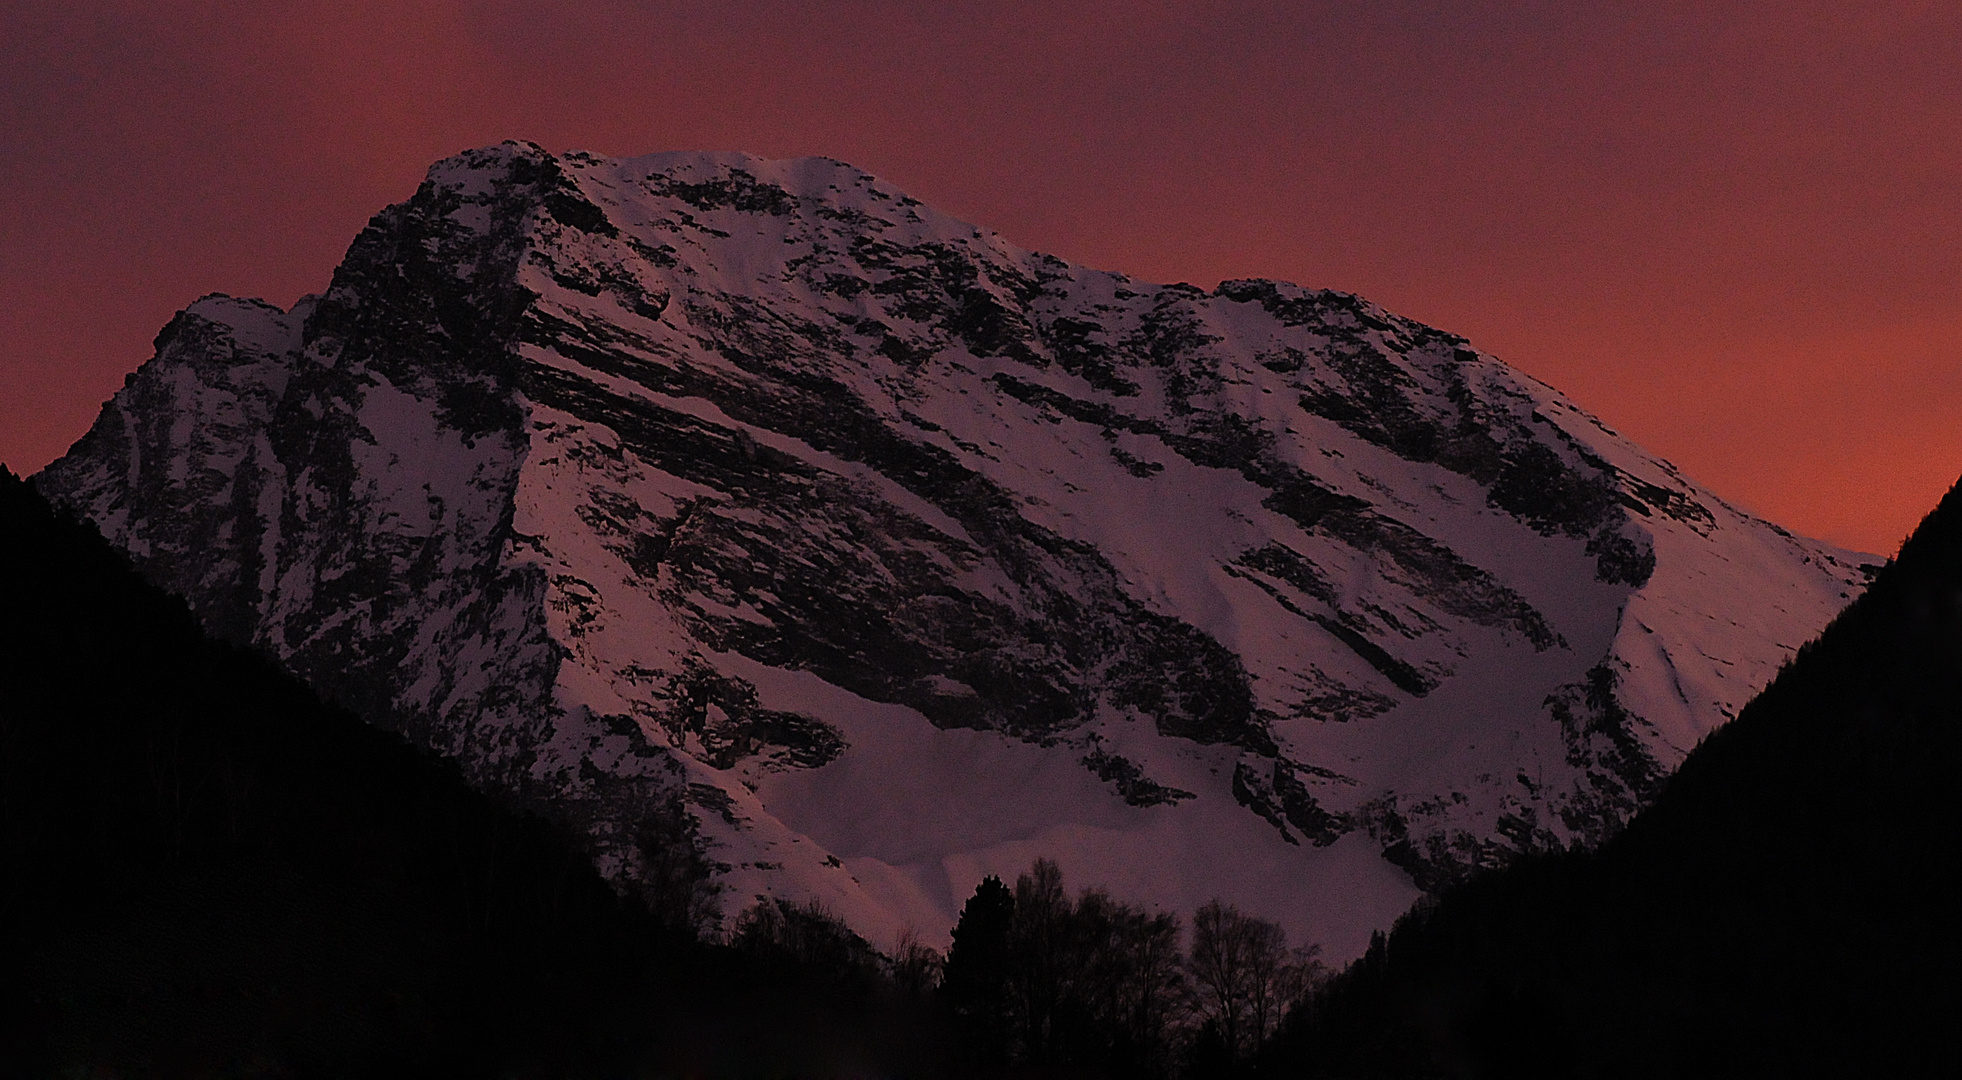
(1733, 236)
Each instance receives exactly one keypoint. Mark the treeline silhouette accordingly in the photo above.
(1787, 907)
(1041, 980)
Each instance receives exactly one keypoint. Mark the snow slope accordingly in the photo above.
(882, 555)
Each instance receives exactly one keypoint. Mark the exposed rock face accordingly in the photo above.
(900, 555)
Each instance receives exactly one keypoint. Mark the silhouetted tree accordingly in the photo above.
(1090, 982)
(676, 881)
(805, 934)
(1040, 941)
(916, 966)
(976, 979)
(1132, 979)
(1244, 976)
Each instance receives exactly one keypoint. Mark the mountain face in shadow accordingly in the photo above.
(205, 864)
(894, 556)
(204, 871)
(1785, 908)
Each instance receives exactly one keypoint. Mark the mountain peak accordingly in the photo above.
(882, 554)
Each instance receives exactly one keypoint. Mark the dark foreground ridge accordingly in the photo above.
(1785, 908)
(204, 871)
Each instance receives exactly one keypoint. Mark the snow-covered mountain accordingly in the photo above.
(755, 494)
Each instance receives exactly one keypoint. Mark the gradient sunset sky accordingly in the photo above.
(1732, 231)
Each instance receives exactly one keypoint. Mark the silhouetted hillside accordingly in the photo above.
(1785, 907)
(206, 871)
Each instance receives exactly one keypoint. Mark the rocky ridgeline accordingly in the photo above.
(756, 505)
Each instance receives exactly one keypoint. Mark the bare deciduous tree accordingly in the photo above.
(916, 966)
(1244, 976)
(1040, 940)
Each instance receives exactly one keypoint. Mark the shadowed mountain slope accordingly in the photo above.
(1786, 907)
(204, 871)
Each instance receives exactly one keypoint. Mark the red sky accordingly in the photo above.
(1734, 236)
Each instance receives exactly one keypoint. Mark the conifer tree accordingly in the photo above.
(976, 978)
